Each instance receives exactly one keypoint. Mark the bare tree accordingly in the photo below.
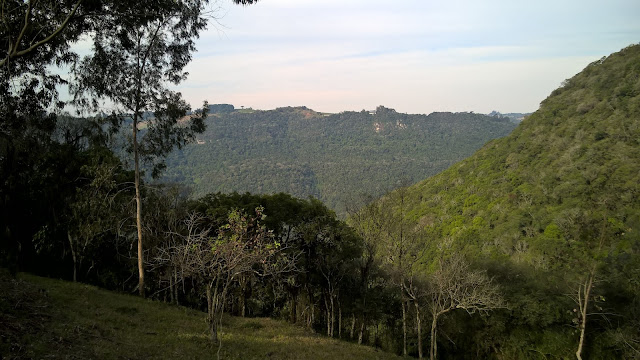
(454, 285)
(135, 61)
(368, 221)
(391, 240)
(169, 224)
(402, 249)
(583, 294)
(91, 212)
(242, 247)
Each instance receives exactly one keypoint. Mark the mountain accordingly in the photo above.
(553, 212)
(579, 150)
(334, 157)
(515, 117)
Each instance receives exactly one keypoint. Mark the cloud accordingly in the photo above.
(415, 55)
(419, 82)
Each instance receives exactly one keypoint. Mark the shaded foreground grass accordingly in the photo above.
(45, 318)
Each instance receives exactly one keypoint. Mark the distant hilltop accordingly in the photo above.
(229, 108)
(221, 108)
(515, 117)
(333, 157)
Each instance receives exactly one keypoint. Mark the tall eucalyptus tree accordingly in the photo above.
(134, 62)
(35, 34)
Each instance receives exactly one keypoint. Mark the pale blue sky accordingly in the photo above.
(417, 56)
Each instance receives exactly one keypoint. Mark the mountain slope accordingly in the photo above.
(551, 210)
(332, 157)
(579, 150)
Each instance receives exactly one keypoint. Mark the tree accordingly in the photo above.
(168, 207)
(37, 34)
(42, 31)
(45, 29)
(369, 222)
(454, 285)
(594, 242)
(391, 240)
(28, 96)
(91, 212)
(336, 249)
(242, 246)
(583, 294)
(132, 64)
(401, 251)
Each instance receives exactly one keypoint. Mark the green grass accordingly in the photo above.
(45, 318)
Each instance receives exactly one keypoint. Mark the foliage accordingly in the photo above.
(556, 199)
(132, 64)
(134, 59)
(221, 108)
(547, 218)
(35, 34)
(242, 245)
(454, 285)
(332, 157)
(315, 258)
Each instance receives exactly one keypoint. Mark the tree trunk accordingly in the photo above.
(175, 285)
(312, 308)
(244, 283)
(211, 315)
(353, 326)
(328, 316)
(583, 300)
(333, 316)
(73, 256)
(419, 326)
(243, 306)
(171, 292)
(361, 332)
(404, 327)
(309, 319)
(433, 352)
(138, 203)
(294, 308)
(214, 313)
(339, 321)
(375, 341)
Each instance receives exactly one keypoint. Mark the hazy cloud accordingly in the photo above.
(417, 56)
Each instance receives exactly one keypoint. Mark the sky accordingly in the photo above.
(415, 56)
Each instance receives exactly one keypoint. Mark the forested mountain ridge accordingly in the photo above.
(332, 157)
(553, 211)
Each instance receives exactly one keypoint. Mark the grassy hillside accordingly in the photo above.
(44, 318)
(331, 157)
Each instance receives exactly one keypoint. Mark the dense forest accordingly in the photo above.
(527, 249)
(552, 213)
(333, 157)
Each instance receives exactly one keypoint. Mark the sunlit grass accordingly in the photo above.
(80, 321)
